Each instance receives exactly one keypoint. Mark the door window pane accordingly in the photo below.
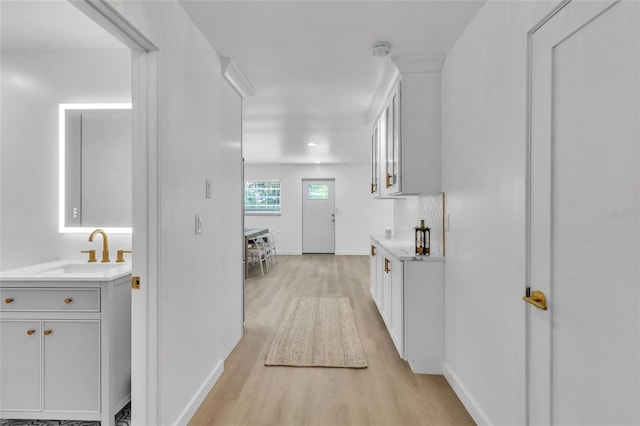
(318, 192)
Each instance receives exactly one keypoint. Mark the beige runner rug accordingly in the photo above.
(317, 332)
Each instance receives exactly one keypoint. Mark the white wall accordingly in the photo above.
(483, 153)
(33, 84)
(192, 294)
(357, 214)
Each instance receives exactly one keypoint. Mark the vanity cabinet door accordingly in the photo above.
(20, 365)
(72, 365)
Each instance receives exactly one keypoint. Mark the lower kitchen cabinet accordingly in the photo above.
(411, 303)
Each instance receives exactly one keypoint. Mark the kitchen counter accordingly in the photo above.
(403, 250)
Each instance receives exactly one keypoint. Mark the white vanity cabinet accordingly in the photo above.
(411, 302)
(406, 132)
(65, 349)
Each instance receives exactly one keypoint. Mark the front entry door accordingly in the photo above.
(318, 216)
(584, 253)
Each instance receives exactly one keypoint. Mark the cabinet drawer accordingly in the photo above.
(56, 300)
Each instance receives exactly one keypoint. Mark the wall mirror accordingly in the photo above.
(95, 163)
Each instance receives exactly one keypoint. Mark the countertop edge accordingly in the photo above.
(400, 249)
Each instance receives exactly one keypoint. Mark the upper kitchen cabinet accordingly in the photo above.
(405, 117)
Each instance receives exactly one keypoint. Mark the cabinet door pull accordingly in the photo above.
(8, 300)
(373, 250)
(30, 332)
(386, 265)
(68, 300)
(48, 332)
(388, 180)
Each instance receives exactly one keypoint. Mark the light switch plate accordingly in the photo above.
(208, 191)
(198, 224)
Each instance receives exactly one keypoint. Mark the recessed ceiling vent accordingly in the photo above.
(381, 48)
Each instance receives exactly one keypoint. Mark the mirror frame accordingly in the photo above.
(62, 228)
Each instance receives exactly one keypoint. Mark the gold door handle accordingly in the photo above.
(386, 265)
(8, 300)
(48, 332)
(537, 299)
(68, 300)
(30, 332)
(388, 180)
(373, 250)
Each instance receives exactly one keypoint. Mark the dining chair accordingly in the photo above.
(257, 253)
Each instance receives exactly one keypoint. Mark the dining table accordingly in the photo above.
(249, 234)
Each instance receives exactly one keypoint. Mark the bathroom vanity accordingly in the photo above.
(65, 341)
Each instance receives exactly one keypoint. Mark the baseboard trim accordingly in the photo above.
(289, 252)
(199, 397)
(467, 400)
(425, 367)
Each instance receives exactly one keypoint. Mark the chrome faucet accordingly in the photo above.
(105, 244)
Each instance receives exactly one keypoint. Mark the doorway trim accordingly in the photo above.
(144, 302)
(302, 202)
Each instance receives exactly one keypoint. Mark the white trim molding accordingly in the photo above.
(236, 79)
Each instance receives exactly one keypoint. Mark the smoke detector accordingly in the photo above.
(381, 48)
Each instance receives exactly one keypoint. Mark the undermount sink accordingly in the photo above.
(68, 270)
(83, 268)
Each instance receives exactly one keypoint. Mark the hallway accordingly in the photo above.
(385, 393)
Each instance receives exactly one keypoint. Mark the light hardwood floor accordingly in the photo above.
(385, 393)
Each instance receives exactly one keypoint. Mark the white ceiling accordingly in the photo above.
(309, 61)
(46, 25)
(311, 65)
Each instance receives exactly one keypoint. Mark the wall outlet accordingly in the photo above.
(198, 224)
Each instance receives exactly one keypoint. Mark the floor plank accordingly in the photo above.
(384, 393)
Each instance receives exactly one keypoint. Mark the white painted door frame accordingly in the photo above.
(144, 302)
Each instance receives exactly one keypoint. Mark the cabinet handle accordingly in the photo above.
(386, 265)
(373, 250)
(8, 300)
(68, 300)
(373, 188)
(388, 180)
(48, 332)
(30, 332)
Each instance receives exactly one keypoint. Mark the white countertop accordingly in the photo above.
(68, 270)
(403, 249)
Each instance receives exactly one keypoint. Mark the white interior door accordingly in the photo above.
(318, 216)
(583, 352)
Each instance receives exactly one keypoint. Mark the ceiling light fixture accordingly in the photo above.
(381, 49)
(312, 144)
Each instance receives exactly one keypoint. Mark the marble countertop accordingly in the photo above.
(68, 270)
(403, 249)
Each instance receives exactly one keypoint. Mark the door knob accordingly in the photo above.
(537, 299)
